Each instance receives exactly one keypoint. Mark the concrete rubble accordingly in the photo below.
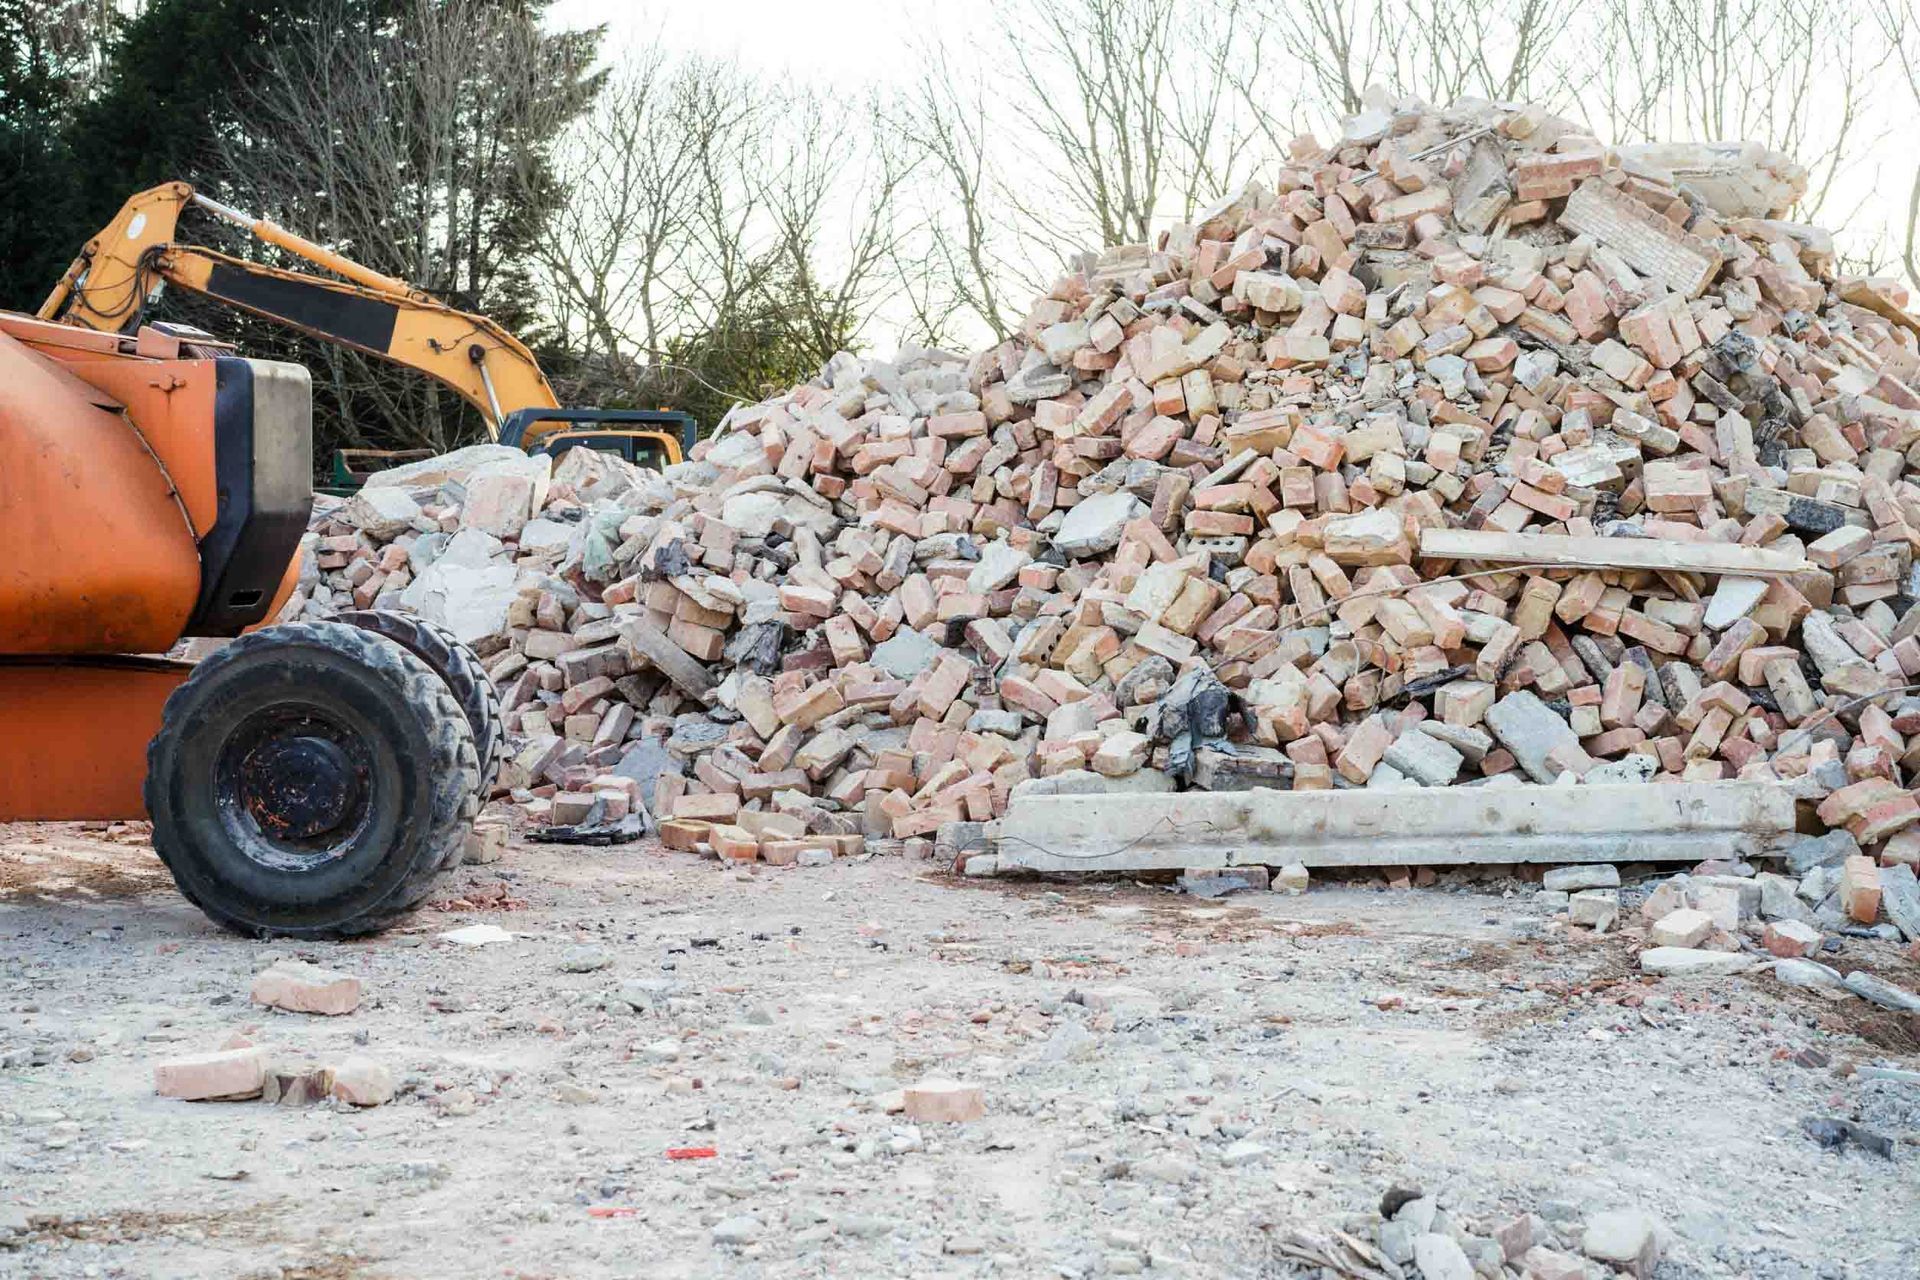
(1463, 453)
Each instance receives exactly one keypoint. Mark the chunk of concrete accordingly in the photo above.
(1683, 928)
(1000, 563)
(1683, 962)
(1050, 827)
(381, 514)
(905, 654)
(1597, 875)
(1733, 599)
(1810, 974)
(1597, 909)
(1085, 782)
(430, 473)
(1829, 850)
(1900, 899)
(1424, 758)
(1882, 992)
(1094, 525)
(1526, 727)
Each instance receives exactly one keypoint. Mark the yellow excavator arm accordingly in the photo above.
(119, 270)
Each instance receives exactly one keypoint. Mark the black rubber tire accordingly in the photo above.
(460, 668)
(413, 786)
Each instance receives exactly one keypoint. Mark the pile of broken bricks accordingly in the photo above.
(1466, 451)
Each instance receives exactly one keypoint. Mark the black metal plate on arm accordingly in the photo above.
(361, 322)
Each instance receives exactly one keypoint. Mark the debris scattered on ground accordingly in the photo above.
(1833, 1134)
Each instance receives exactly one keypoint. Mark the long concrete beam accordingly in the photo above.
(1647, 822)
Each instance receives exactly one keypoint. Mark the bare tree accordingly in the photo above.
(830, 251)
(724, 231)
(418, 144)
(1897, 22)
(1434, 50)
(1082, 123)
(967, 267)
(1132, 106)
(620, 256)
(1793, 74)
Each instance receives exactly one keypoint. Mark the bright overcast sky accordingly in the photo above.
(840, 41)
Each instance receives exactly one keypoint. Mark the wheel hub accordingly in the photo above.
(299, 787)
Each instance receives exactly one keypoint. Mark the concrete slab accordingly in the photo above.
(1678, 822)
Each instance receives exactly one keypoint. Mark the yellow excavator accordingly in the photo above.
(122, 269)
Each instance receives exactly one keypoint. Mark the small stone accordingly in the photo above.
(1683, 928)
(1519, 1235)
(362, 1082)
(1627, 1239)
(1292, 878)
(1165, 1168)
(862, 1226)
(738, 1230)
(476, 935)
(1790, 938)
(1441, 1258)
(294, 1085)
(1597, 909)
(585, 959)
(1808, 973)
(938, 1101)
(1542, 1263)
(1397, 1197)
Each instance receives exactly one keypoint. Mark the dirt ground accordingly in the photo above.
(1172, 1084)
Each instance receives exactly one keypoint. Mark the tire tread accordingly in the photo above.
(454, 768)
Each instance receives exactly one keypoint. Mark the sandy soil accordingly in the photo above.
(1171, 1084)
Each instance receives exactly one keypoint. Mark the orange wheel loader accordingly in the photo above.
(308, 780)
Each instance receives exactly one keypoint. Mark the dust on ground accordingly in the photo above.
(1171, 1083)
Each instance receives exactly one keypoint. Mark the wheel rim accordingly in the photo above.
(294, 786)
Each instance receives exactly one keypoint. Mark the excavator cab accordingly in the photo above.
(651, 438)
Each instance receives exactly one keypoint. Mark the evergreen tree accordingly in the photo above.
(43, 66)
